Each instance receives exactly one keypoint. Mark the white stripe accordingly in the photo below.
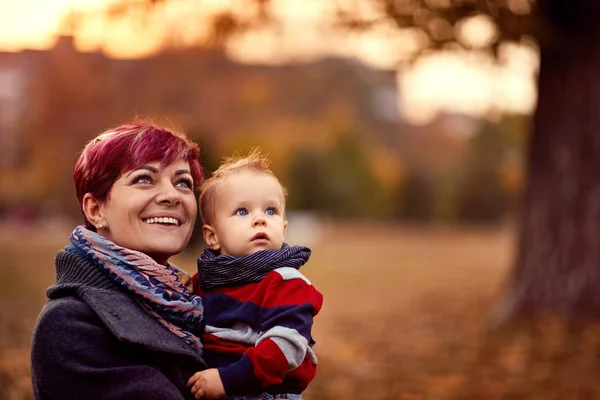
(311, 355)
(293, 345)
(239, 333)
(289, 273)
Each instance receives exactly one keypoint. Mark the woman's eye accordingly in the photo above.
(241, 212)
(271, 211)
(143, 179)
(186, 183)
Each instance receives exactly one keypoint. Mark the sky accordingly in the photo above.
(457, 82)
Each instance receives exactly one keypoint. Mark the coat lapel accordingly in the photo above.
(129, 323)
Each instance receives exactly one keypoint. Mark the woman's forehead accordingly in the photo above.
(160, 164)
(177, 167)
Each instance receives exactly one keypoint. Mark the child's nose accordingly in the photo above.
(259, 220)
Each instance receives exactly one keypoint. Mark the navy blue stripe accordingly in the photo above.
(216, 359)
(224, 311)
(221, 310)
(239, 378)
(297, 317)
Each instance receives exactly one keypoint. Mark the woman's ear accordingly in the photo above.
(92, 209)
(210, 237)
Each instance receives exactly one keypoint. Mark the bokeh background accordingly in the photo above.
(400, 129)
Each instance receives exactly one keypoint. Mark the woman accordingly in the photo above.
(119, 323)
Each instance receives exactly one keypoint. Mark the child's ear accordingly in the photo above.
(284, 225)
(210, 237)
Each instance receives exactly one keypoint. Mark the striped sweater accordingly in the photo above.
(258, 335)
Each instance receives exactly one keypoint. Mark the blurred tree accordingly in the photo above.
(557, 257)
(516, 131)
(210, 162)
(481, 186)
(338, 181)
(417, 197)
(482, 197)
(306, 191)
(241, 16)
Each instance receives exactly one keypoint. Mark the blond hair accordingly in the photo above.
(254, 161)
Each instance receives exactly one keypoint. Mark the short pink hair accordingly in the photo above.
(127, 147)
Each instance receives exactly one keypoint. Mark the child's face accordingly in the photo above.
(249, 215)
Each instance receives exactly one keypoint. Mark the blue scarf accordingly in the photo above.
(216, 270)
(157, 287)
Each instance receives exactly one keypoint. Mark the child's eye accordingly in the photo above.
(271, 211)
(241, 212)
(143, 179)
(185, 183)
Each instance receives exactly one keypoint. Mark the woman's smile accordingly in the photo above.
(159, 204)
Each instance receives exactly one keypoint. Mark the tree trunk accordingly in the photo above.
(558, 259)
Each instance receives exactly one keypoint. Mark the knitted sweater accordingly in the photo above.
(258, 335)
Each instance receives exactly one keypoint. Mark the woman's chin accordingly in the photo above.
(161, 254)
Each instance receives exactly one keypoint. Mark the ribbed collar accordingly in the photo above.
(74, 271)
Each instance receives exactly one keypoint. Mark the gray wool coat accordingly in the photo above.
(92, 340)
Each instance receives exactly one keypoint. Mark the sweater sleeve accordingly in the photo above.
(288, 304)
(75, 356)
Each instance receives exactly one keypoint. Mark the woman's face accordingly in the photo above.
(151, 209)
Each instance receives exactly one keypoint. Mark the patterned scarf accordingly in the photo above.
(216, 270)
(157, 287)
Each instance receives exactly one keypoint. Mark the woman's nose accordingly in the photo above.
(168, 195)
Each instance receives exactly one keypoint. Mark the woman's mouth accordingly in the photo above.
(162, 220)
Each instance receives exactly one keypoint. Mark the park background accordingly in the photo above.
(405, 133)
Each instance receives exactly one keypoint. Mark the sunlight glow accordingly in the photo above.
(467, 83)
(478, 31)
(471, 84)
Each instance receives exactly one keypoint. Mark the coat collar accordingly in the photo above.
(120, 312)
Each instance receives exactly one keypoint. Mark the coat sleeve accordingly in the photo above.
(75, 356)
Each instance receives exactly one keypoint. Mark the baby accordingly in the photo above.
(258, 308)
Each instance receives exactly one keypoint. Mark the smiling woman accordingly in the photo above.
(157, 203)
(120, 323)
(151, 173)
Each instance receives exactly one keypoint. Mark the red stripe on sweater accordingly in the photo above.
(291, 292)
(305, 372)
(269, 362)
(273, 291)
(270, 365)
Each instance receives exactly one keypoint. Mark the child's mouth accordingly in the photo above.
(261, 236)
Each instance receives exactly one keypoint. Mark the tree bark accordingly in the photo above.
(558, 258)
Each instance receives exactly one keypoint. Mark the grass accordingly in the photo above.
(404, 317)
(404, 308)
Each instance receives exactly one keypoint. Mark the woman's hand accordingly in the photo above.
(207, 384)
